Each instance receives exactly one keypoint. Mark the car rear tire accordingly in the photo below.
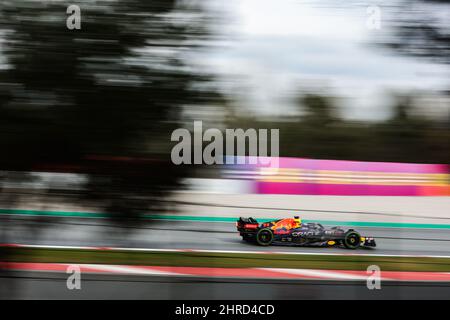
(352, 239)
(264, 237)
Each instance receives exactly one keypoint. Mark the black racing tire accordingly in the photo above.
(352, 240)
(264, 237)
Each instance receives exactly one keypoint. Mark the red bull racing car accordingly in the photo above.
(293, 231)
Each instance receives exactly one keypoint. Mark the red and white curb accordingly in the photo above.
(247, 273)
(344, 253)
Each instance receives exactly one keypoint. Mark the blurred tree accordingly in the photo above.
(321, 134)
(319, 110)
(87, 98)
(420, 28)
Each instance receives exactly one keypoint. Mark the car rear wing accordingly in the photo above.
(247, 224)
(247, 221)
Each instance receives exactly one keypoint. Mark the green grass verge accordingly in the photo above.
(228, 260)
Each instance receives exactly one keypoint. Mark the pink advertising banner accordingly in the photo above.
(337, 177)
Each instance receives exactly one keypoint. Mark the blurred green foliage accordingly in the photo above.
(321, 134)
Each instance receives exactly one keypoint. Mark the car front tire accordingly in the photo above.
(352, 239)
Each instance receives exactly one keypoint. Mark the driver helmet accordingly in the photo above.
(298, 221)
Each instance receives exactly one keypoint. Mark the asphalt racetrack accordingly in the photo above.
(206, 236)
(37, 285)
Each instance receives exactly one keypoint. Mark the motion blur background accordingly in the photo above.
(86, 115)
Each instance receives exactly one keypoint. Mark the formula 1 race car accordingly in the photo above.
(303, 234)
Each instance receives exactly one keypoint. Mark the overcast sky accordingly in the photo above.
(280, 46)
